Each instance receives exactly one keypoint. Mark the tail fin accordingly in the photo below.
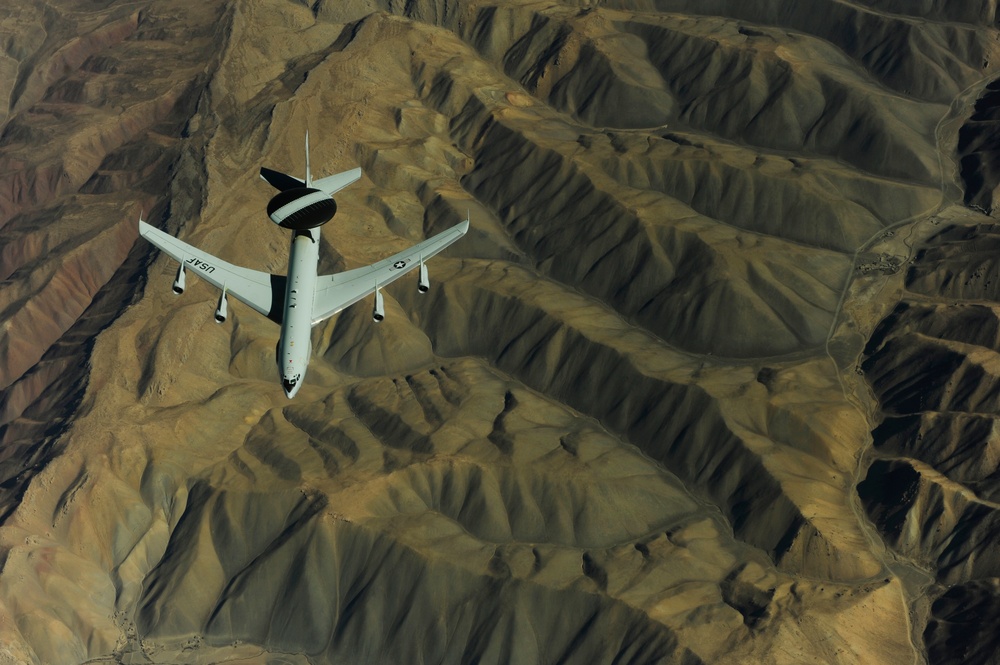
(282, 181)
(330, 184)
(309, 179)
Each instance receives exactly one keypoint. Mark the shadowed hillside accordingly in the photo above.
(630, 423)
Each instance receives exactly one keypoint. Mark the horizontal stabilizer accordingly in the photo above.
(334, 183)
(280, 181)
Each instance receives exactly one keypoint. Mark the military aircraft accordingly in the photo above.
(302, 299)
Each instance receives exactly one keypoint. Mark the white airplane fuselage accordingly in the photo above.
(294, 344)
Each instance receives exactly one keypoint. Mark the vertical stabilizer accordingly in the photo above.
(309, 178)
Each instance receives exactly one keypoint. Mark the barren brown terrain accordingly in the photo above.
(713, 378)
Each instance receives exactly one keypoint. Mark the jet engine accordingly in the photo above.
(301, 208)
(379, 312)
(424, 283)
(221, 310)
(179, 280)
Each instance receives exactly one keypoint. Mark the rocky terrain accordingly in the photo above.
(711, 379)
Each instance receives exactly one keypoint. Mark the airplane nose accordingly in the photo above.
(291, 387)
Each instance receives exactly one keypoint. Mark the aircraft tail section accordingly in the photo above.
(330, 184)
(334, 183)
(309, 177)
(280, 181)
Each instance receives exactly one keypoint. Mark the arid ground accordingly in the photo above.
(713, 378)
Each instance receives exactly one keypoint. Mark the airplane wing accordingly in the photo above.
(260, 290)
(336, 292)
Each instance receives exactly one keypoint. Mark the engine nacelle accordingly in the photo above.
(379, 312)
(222, 309)
(424, 283)
(179, 280)
(301, 208)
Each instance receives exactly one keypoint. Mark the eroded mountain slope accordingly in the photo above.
(622, 427)
(932, 488)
